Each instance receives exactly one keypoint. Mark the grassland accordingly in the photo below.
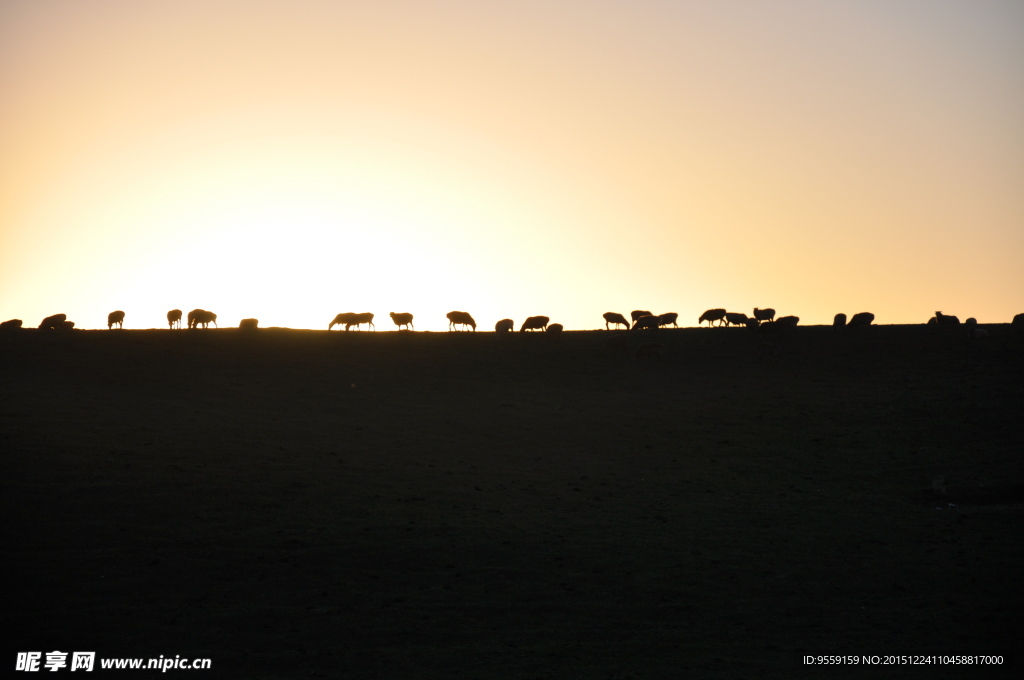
(296, 504)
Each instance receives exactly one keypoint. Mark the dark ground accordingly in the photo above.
(298, 504)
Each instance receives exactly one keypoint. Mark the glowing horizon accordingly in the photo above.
(290, 161)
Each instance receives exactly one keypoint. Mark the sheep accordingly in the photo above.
(538, 323)
(359, 319)
(10, 325)
(53, 322)
(1018, 320)
(613, 318)
(839, 320)
(787, 322)
(668, 318)
(504, 326)
(711, 316)
(767, 315)
(174, 319)
(67, 325)
(554, 328)
(735, 319)
(343, 318)
(115, 318)
(460, 319)
(637, 313)
(861, 319)
(201, 316)
(648, 321)
(249, 324)
(402, 319)
(941, 319)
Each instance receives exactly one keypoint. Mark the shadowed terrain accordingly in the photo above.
(458, 505)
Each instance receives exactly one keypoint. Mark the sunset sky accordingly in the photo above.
(289, 160)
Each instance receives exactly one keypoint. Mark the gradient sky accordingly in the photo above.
(290, 160)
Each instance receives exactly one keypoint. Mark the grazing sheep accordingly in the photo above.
(711, 316)
(401, 319)
(504, 326)
(359, 319)
(535, 323)
(637, 313)
(174, 319)
(735, 319)
(648, 321)
(249, 324)
(343, 318)
(839, 320)
(767, 315)
(554, 328)
(460, 319)
(115, 317)
(54, 322)
(650, 350)
(787, 322)
(613, 318)
(861, 319)
(201, 316)
(668, 318)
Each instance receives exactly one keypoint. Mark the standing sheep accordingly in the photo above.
(766, 315)
(735, 319)
(649, 321)
(359, 319)
(668, 318)
(402, 319)
(174, 319)
(115, 318)
(504, 326)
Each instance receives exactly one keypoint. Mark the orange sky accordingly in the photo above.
(292, 160)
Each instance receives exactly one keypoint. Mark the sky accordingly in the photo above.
(290, 160)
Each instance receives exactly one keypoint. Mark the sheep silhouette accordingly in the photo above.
(535, 323)
(10, 325)
(201, 316)
(53, 322)
(861, 319)
(649, 321)
(554, 328)
(668, 318)
(115, 318)
(402, 319)
(787, 322)
(839, 320)
(174, 319)
(249, 324)
(761, 315)
(711, 316)
(504, 326)
(460, 319)
(359, 319)
(343, 318)
(735, 319)
(614, 318)
(638, 313)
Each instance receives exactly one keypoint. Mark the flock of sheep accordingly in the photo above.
(639, 319)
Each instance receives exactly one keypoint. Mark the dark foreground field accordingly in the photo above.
(296, 504)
